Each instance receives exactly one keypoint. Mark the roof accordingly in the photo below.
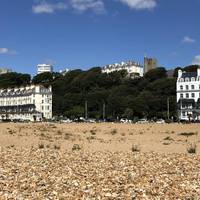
(189, 74)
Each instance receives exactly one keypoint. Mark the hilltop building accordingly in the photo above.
(188, 95)
(149, 64)
(41, 68)
(32, 103)
(133, 69)
(4, 70)
(65, 71)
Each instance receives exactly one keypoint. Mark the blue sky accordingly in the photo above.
(86, 33)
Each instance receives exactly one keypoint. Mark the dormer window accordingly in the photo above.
(187, 79)
(181, 80)
(192, 79)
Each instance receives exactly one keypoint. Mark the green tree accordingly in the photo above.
(155, 74)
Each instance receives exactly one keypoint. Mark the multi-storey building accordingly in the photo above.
(133, 69)
(188, 95)
(41, 68)
(33, 103)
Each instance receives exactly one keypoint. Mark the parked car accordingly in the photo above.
(90, 120)
(160, 121)
(142, 121)
(66, 121)
(124, 120)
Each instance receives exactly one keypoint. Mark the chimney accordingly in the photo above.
(180, 73)
(198, 71)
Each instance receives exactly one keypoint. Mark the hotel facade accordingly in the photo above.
(31, 103)
(188, 95)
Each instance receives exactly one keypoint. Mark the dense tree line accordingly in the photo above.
(120, 95)
(14, 79)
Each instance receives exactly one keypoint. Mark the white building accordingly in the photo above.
(4, 70)
(41, 68)
(32, 103)
(65, 71)
(133, 69)
(188, 95)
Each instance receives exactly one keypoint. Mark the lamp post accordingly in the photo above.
(168, 108)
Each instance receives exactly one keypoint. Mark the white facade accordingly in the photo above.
(41, 68)
(65, 71)
(132, 68)
(32, 103)
(188, 95)
(4, 70)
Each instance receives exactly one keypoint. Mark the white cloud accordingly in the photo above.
(96, 6)
(188, 39)
(4, 50)
(80, 6)
(196, 60)
(140, 4)
(44, 7)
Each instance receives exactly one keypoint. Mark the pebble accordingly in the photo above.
(49, 174)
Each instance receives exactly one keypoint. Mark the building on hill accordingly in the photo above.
(65, 71)
(188, 95)
(32, 103)
(149, 64)
(4, 70)
(133, 69)
(41, 68)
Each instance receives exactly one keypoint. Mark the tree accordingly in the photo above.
(128, 113)
(45, 78)
(13, 79)
(155, 74)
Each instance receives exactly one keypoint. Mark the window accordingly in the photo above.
(187, 79)
(181, 95)
(193, 95)
(181, 80)
(42, 107)
(187, 95)
(183, 113)
(187, 87)
(192, 79)
(192, 87)
(181, 87)
(42, 101)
